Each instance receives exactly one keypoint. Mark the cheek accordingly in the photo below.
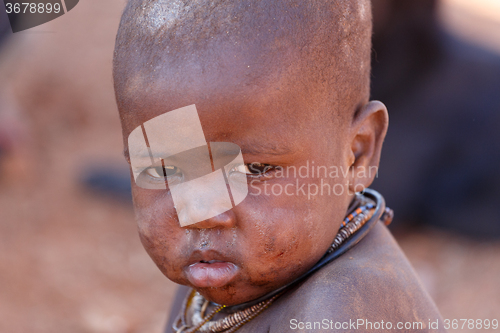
(158, 226)
(286, 235)
(154, 211)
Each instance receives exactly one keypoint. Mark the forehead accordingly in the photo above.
(238, 98)
(280, 66)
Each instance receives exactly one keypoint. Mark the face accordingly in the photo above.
(282, 228)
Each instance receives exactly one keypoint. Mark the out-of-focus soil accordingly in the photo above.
(70, 260)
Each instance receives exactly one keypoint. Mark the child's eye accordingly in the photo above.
(253, 169)
(157, 172)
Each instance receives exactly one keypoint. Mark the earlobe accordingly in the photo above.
(368, 132)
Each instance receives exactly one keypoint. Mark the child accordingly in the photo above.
(288, 83)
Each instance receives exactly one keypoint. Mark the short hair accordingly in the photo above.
(331, 38)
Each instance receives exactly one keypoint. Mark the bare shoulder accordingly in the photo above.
(372, 283)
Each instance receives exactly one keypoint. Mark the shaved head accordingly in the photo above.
(318, 46)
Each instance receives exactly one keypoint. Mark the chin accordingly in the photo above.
(223, 295)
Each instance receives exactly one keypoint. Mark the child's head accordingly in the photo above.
(285, 80)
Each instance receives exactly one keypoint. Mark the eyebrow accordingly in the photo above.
(253, 148)
(260, 148)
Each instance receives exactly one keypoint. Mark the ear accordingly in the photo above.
(368, 131)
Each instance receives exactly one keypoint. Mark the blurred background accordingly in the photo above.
(70, 257)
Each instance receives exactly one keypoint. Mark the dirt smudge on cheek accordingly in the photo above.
(154, 223)
(145, 218)
(270, 245)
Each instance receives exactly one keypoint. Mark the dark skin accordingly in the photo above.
(273, 244)
(277, 121)
(272, 239)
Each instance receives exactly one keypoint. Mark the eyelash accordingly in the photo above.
(256, 170)
(159, 171)
(253, 170)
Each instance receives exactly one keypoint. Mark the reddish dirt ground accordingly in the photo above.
(70, 260)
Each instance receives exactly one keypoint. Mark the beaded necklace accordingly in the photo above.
(197, 304)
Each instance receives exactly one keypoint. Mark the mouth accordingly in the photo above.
(211, 273)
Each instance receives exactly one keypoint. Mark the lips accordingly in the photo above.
(208, 272)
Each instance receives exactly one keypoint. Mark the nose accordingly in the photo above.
(223, 220)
